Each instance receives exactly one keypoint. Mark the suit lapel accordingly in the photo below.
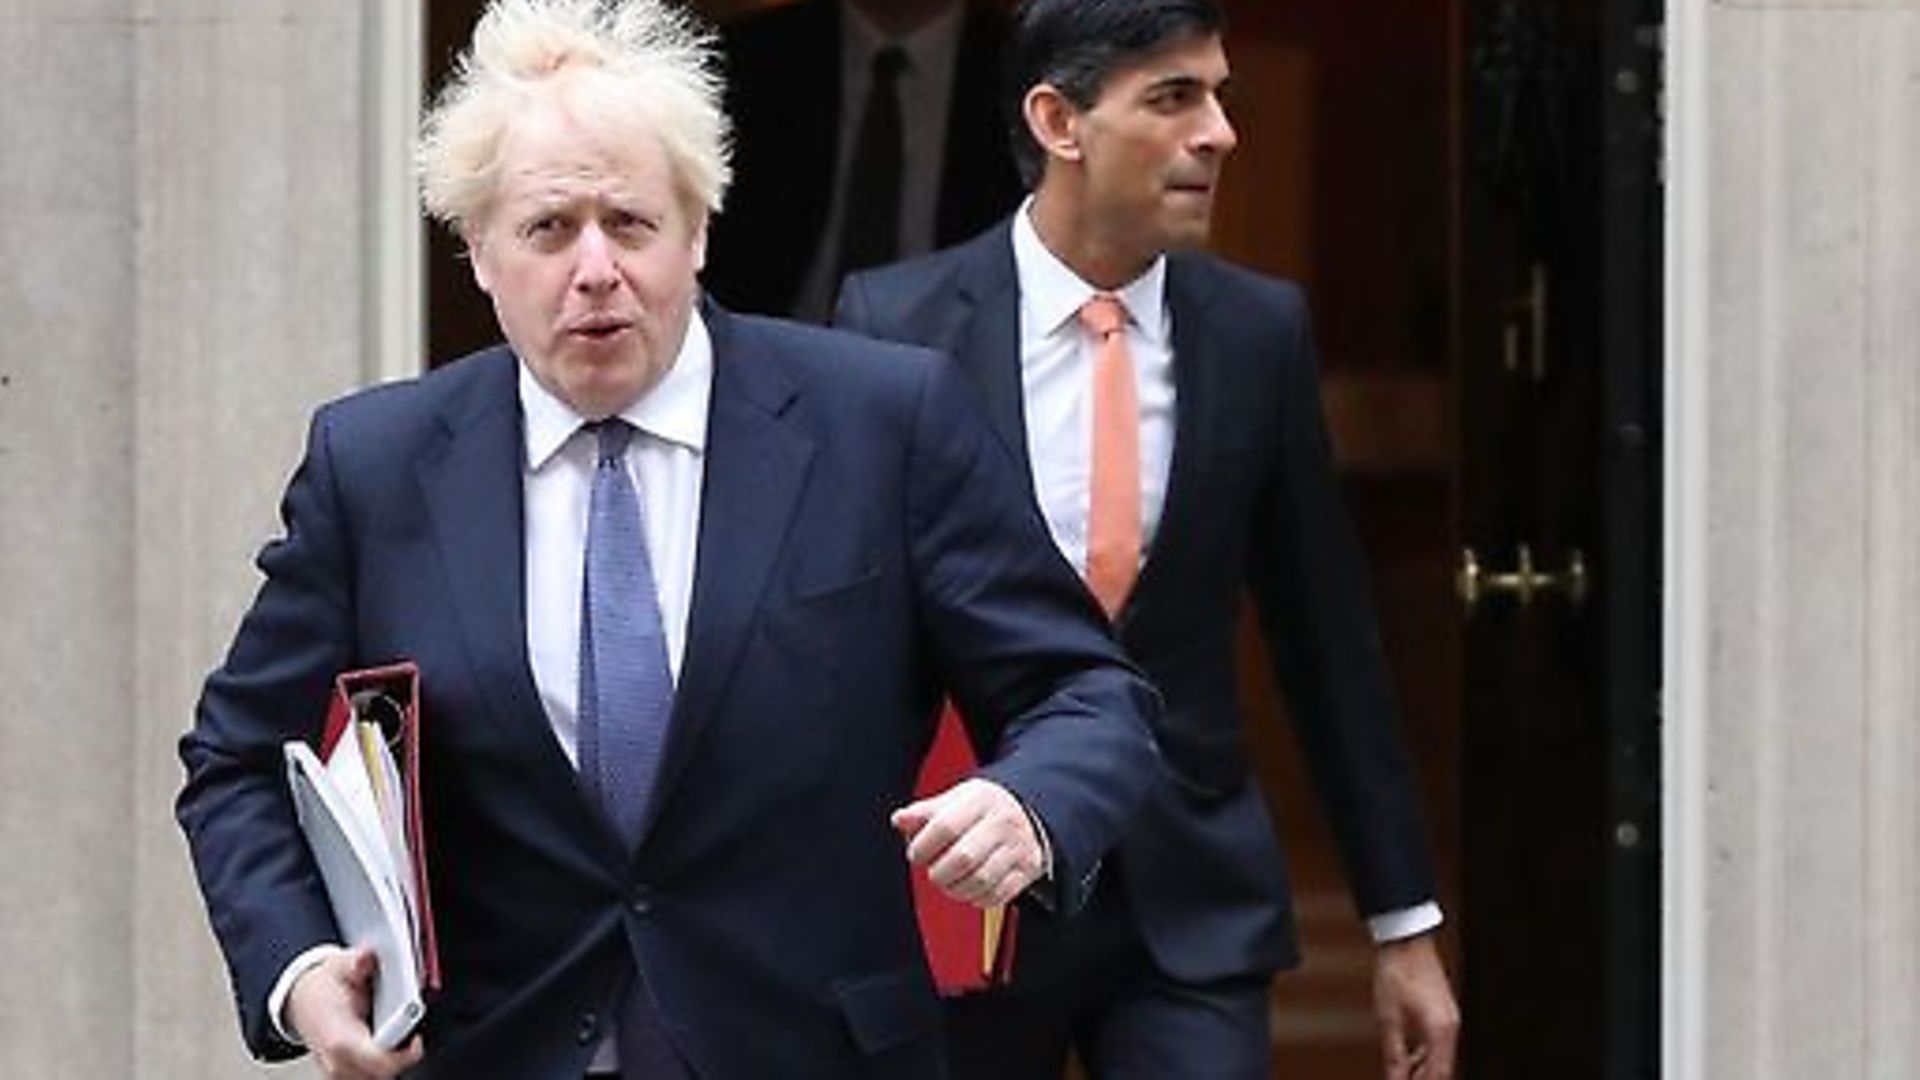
(757, 463)
(472, 490)
(1199, 364)
(983, 334)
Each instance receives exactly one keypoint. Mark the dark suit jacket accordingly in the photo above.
(1251, 504)
(783, 71)
(864, 542)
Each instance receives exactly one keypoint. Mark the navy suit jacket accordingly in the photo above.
(783, 85)
(1251, 505)
(865, 543)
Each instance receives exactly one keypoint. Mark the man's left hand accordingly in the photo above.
(1419, 1022)
(976, 841)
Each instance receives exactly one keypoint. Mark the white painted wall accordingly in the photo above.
(202, 241)
(1793, 514)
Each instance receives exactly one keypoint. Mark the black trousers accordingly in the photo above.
(1087, 984)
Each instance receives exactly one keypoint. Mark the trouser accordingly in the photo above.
(1088, 984)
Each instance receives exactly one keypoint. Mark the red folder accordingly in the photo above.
(967, 948)
(400, 684)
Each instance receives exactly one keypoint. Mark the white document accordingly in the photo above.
(368, 878)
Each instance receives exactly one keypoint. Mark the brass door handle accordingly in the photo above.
(1524, 582)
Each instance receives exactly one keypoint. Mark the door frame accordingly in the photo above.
(395, 335)
(1632, 439)
(1686, 600)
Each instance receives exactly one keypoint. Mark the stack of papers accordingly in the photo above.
(357, 809)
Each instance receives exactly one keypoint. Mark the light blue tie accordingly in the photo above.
(626, 696)
(626, 688)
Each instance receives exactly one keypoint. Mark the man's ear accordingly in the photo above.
(1053, 121)
(471, 238)
(700, 241)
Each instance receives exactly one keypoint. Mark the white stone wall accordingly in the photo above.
(197, 218)
(1794, 524)
(66, 496)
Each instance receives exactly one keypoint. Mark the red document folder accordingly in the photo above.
(400, 682)
(968, 949)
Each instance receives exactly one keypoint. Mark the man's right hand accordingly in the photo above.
(327, 1009)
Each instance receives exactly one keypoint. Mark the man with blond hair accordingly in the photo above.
(683, 588)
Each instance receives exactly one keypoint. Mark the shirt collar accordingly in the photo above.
(928, 49)
(675, 410)
(1051, 293)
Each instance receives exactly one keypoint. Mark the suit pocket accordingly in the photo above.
(856, 591)
(888, 1010)
(1236, 463)
(1201, 731)
(829, 624)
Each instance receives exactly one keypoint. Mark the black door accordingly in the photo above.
(1558, 414)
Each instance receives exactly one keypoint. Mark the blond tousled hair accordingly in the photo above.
(625, 69)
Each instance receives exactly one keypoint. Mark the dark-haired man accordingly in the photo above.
(1167, 407)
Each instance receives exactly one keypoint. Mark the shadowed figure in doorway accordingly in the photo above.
(865, 131)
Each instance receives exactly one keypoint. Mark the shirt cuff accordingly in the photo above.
(283, 989)
(1046, 844)
(1403, 923)
(1042, 890)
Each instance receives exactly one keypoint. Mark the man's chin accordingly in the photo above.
(1187, 223)
(597, 391)
(1187, 235)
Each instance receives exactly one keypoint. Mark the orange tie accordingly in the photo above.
(1113, 510)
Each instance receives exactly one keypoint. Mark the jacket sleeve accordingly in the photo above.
(263, 894)
(1309, 584)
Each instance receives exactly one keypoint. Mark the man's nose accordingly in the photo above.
(594, 270)
(1216, 134)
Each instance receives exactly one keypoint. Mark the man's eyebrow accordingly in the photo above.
(1176, 78)
(1182, 80)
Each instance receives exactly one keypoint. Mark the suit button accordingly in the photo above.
(589, 1029)
(641, 903)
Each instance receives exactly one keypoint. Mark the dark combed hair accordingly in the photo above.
(1076, 45)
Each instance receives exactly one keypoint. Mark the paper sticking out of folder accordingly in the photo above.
(357, 797)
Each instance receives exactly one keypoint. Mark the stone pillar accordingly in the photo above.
(199, 212)
(67, 575)
(1793, 570)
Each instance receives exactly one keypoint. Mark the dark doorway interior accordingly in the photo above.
(1469, 191)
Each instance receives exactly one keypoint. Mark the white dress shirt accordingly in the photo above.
(1056, 378)
(926, 95)
(666, 461)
